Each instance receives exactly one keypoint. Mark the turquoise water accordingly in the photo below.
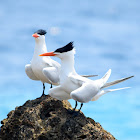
(106, 34)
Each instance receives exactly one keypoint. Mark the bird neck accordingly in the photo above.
(40, 47)
(67, 65)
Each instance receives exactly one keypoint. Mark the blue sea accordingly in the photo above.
(106, 35)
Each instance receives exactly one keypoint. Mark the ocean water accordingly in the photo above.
(106, 34)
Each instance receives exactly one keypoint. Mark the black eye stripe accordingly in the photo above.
(66, 48)
(41, 32)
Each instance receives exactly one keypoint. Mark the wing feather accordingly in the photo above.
(52, 74)
(30, 73)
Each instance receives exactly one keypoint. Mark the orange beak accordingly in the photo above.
(48, 54)
(35, 35)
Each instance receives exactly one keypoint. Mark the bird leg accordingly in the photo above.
(76, 113)
(75, 106)
(80, 107)
(43, 89)
(51, 86)
(73, 111)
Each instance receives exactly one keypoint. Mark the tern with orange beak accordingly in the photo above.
(43, 69)
(74, 86)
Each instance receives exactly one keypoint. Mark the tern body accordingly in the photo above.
(44, 69)
(74, 86)
(39, 65)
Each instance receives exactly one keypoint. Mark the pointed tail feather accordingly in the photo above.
(102, 92)
(116, 82)
(110, 90)
(105, 77)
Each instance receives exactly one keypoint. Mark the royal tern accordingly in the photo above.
(42, 68)
(74, 86)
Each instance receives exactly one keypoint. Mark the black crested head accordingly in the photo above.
(66, 48)
(41, 32)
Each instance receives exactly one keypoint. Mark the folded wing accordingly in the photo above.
(30, 73)
(84, 94)
(52, 74)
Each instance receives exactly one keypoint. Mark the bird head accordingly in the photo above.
(39, 35)
(63, 52)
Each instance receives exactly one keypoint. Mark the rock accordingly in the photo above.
(46, 118)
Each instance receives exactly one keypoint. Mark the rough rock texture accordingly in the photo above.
(46, 118)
